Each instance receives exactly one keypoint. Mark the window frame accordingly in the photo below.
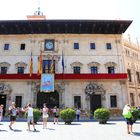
(129, 75)
(22, 45)
(3, 71)
(18, 102)
(77, 104)
(6, 47)
(20, 68)
(76, 68)
(48, 68)
(112, 103)
(111, 68)
(92, 46)
(93, 71)
(76, 46)
(108, 46)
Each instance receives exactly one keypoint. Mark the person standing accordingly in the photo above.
(30, 117)
(1, 112)
(128, 116)
(56, 114)
(45, 116)
(13, 114)
(78, 112)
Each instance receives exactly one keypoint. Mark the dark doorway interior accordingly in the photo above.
(95, 102)
(3, 101)
(52, 99)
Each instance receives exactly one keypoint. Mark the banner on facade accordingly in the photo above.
(47, 83)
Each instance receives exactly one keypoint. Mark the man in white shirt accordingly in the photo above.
(30, 116)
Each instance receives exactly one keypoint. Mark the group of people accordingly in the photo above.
(127, 113)
(30, 116)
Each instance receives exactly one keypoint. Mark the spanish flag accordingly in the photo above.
(52, 65)
(31, 65)
(39, 72)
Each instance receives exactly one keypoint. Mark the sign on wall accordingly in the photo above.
(47, 83)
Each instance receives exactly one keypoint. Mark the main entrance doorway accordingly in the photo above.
(51, 99)
(95, 102)
(3, 101)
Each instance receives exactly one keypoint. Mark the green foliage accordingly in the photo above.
(36, 113)
(68, 114)
(135, 114)
(102, 115)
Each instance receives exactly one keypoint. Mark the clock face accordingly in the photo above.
(49, 45)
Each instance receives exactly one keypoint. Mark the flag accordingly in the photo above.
(39, 72)
(31, 65)
(52, 65)
(63, 66)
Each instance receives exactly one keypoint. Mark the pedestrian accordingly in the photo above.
(129, 118)
(78, 112)
(13, 113)
(56, 114)
(45, 116)
(30, 117)
(1, 112)
(85, 114)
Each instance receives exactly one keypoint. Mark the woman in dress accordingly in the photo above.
(45, 115)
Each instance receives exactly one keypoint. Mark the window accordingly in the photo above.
(20, 70)
(18, 101)
(76, 70)
(108, 46)
(113, 101)
(77, 101)
(111, 70)
(94, 70)
(48, 67)
(76, 46)
(6, 46)
(129, 75)
(92, 46)
(138, 77)
(3, 70)
(22, 47)
(132, 99)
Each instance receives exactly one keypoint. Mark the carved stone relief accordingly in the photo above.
(93, 88)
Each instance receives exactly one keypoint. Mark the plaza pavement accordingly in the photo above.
(113, 130)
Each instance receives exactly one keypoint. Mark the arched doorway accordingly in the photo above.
(51, 98)
(95, 94)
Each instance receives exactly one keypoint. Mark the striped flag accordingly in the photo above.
(52, 65)
(39, 72)
(31, 65)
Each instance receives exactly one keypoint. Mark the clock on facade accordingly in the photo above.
(49, 45)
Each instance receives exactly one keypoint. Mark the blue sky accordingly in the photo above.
(75, 9)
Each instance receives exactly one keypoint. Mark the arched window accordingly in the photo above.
(110, 66)
(21, 66)
(94, 67)
(4, 66)
(76, 66)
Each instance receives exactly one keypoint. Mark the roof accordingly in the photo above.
(63, 26)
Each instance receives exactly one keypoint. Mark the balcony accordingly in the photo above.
(119, 76)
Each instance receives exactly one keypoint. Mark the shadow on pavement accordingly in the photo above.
(50, 128)
(3, 130)
(17, 130)
(70, 124)
(108, 123)
(137, 122)
(136, 133)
